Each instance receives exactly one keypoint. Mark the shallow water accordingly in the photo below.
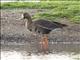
(15, 55)
(13, 52)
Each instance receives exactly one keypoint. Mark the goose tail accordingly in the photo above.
(60, 24)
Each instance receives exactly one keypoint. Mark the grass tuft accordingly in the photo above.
(56, 9)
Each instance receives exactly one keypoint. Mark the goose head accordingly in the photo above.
(26, 16)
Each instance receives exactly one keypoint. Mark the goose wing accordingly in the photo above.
(47, 24)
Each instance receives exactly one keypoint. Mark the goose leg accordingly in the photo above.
(44, 43)
(41, 43)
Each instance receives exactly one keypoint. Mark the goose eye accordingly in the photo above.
(30, 29)
(38, 31)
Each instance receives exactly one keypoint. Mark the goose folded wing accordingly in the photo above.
(46, 24)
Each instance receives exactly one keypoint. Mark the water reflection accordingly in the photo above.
(17, 55)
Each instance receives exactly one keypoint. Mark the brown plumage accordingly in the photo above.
(42, 26)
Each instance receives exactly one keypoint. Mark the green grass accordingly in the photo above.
(42, 5)
(60, 0)
(56, 9)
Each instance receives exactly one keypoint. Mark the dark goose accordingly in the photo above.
(43, 27)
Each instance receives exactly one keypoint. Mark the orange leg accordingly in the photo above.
(44, 43)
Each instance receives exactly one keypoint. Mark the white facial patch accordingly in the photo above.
(26, 23)
(22, 16)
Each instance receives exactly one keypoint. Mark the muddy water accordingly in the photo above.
(58, 52)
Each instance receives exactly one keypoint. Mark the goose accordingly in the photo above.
(41, 26)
